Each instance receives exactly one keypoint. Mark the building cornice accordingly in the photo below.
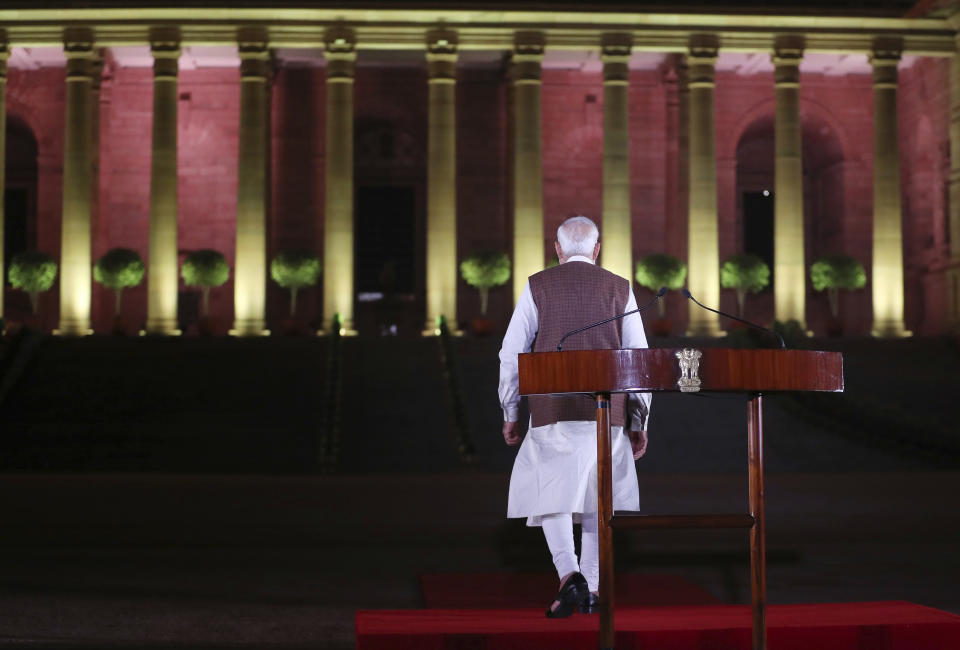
(405, 29)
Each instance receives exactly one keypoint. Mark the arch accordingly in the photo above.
(809, 109)
(824, 192)
(22, 146)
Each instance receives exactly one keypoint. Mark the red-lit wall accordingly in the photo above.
(836, 111)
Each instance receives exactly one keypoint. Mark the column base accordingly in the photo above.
(73, 328)
(705, 327)
(953, 297)
(890, 330)
(161, 327)
(346, 329)
(255, 327)
(430, 328)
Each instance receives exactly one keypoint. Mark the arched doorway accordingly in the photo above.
(19, 206)
(823, 202)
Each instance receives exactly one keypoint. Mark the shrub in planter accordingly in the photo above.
(295, 270)
(661, 270)
(744, 273)
(118, 269)
(205, 268)
(833, 273)
(485, 270)
(32, 272)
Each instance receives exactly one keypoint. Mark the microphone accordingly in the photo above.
(660, 294)
(783, 344)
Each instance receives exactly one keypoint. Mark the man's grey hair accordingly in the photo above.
(578, 236)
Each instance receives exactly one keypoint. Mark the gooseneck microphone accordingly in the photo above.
(660, 294)
(783, 344)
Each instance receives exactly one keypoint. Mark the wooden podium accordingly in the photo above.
(602, 372)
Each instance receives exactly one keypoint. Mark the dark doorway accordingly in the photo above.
(19, 208)
(758, 227)
(19, 197)
(16, 219)
(386, 261)
(385, 240)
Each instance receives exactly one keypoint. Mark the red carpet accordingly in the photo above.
(519, 590)
(846, 626)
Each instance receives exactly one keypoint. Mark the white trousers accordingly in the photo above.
(558, 529)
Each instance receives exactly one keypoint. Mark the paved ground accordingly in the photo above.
(183, 511)
(209, 561)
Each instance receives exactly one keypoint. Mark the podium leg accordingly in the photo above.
(605, 514)
(758, 541)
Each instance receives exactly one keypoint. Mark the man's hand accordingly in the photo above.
(638, 442)
(510, 434)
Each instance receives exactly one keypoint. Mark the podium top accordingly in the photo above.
(676, 369)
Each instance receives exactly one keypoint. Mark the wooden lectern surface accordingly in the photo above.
(658, 369)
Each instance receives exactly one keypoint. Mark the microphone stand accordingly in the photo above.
(660, 294)
(783, 344)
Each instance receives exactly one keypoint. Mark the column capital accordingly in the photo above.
(165, 49)
(340, 50)
(253, 48)
(165, 42)
(703, 47)
(78, 42)
(78, 47)
(442, 56)
(615, 50)
(4, 54)
(787, 56)
(98, 63)
(701, 60)
(527, 57)
(885, 58)
(529, 44)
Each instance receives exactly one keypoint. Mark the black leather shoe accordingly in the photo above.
(590, 604)
(570, 596)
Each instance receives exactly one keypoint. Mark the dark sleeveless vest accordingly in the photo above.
(569, 296)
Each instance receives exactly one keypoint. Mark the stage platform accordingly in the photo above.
(531, 590)
(843, 626)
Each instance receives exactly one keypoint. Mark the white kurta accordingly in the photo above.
(556, 472)
(556, 467)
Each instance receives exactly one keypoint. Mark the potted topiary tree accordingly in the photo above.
(206, 269)
(833, 273)
(485, 270)
(295, 270)
(32, 272)
(661, 270)
(745, 273)
(118, 269)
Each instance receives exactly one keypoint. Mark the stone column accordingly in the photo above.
(75, 266)
(789, 276)
(676, 164)
(441, 182)
(616, 251)
(887, 277)
(250, 266)
(95, 99)
(703, 256)
(953, 270)
(338, 261)
(527, 160)
(162, 283)
(4, 55)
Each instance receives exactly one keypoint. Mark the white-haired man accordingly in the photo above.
(554, 480)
